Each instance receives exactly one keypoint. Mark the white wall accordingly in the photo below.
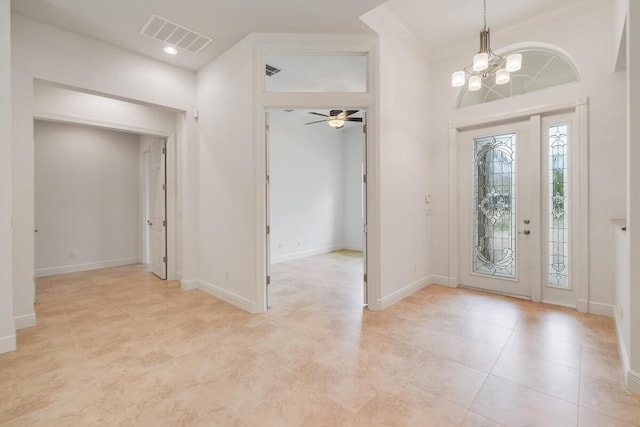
(605, 91)
(227, 195)
(98, 68)
(404, 158)
(87, 198)
(315, 175)
(7, 326)
(352, 156)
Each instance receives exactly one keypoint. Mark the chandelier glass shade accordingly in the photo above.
(486, 63)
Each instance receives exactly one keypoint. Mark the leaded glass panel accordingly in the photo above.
(558, 206)
(494, 206)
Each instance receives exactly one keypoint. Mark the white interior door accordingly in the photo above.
(499, 205)
(158, 209)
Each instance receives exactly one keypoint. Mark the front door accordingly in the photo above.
(498, 199)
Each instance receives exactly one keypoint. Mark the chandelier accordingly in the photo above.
(486, 63)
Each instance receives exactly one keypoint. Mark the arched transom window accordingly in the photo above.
(540, 69)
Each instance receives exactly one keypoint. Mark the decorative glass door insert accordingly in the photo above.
(558, 206)
(494, 206)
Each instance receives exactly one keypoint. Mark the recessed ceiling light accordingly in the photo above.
(171, 50)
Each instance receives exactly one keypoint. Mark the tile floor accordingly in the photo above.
(120, 347)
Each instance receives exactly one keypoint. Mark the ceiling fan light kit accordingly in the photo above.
(337, 118)
(486, 63)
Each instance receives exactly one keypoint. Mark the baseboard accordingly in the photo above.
(178, 275)
(306, 253)
(402, 293)
(631, 378)
(65, 269)
(227, 296)
(453, 282)
(7, 344)
(439, 280)
(350, 247)
(25, 321)
(598, 308)
(582, 306)
(633, 381)
(189, 285)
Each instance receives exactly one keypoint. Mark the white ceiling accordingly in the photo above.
(439, 23)
(118, 22)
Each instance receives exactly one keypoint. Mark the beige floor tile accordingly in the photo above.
(485, 332)
(120, 347)
(475, 420)
(549, 349)
(514, 405)
(609, 398)
(296, 406)
(602, 362)
(546, 377)
(591, 418)
(408, 406)
(466, 351)
(449, 380)
(546, 328)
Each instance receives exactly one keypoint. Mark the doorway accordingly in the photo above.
(315, 195)
(154, 178)
(519, 208)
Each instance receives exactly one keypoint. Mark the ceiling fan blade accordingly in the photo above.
(318, 114)
(353, 119)
(319, 121)
(350, 112)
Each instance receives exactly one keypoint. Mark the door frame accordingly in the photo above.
(318, 45)
(267, 201)
(580, 256)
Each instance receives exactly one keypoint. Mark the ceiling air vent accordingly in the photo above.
(169, 32)
(271, 70)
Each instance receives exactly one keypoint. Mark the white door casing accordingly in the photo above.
(540, 121)
(157, 204)
(364, 211)
(267, 192)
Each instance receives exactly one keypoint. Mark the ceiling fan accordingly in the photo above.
(337, 118)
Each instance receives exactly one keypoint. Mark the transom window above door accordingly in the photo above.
(541, 69)
(307, 73)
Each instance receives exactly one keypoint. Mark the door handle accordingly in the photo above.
(525, 232)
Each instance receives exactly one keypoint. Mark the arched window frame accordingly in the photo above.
(523, 48)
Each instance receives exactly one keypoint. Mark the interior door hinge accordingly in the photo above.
(268, 229)
(164, 222)
(268, 280)
(164, 150)
(364, 178)
(164, 187)
(364, 129)
(164, 259)
(268, 179)
(365, 277)
(266, 128)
